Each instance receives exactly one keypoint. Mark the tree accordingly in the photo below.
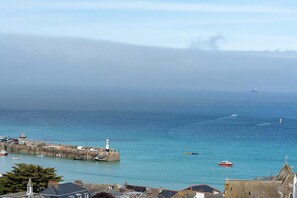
(17, 179)
(103, 195)
(1, 189)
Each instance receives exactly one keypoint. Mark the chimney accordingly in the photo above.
(53, 183)
(78, 183)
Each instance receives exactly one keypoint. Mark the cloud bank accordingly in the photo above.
(61, 62)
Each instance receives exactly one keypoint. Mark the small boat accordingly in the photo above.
(3, 153)
(23, 135)
(93, 149)
(191, 153)
(80, 148)
(59, 155)
(100, 158)
(15, 158)
(39, 155)
(80, 158)
(3, 139)
(225, 163)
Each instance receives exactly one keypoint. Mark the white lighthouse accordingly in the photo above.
(107, 145)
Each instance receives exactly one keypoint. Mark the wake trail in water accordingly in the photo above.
(173, 131)
(263, 124)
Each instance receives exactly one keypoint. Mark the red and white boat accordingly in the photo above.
(225, 163)
(3, 153)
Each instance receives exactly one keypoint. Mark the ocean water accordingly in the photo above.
(153, 130)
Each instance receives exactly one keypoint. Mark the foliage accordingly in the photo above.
(103, 195)
(17, 179)
(1, 189)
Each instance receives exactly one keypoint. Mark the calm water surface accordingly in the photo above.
(152, 133)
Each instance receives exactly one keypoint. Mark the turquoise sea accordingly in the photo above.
(152, 130)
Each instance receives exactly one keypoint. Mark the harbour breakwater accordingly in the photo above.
(40, 148)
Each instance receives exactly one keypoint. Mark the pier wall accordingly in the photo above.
(60, 151)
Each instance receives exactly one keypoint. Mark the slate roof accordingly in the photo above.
(63, 190)
(115, 193)
(202, 188)
(167, 193)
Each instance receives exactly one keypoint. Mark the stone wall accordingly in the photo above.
(60, 151)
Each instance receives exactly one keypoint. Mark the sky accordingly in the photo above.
(212, 25)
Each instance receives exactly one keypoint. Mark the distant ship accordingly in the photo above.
(254, 91)
(280, 121)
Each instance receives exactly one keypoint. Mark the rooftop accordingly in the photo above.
(63, 189)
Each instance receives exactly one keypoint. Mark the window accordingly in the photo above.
(86, 195)
(78, 195)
